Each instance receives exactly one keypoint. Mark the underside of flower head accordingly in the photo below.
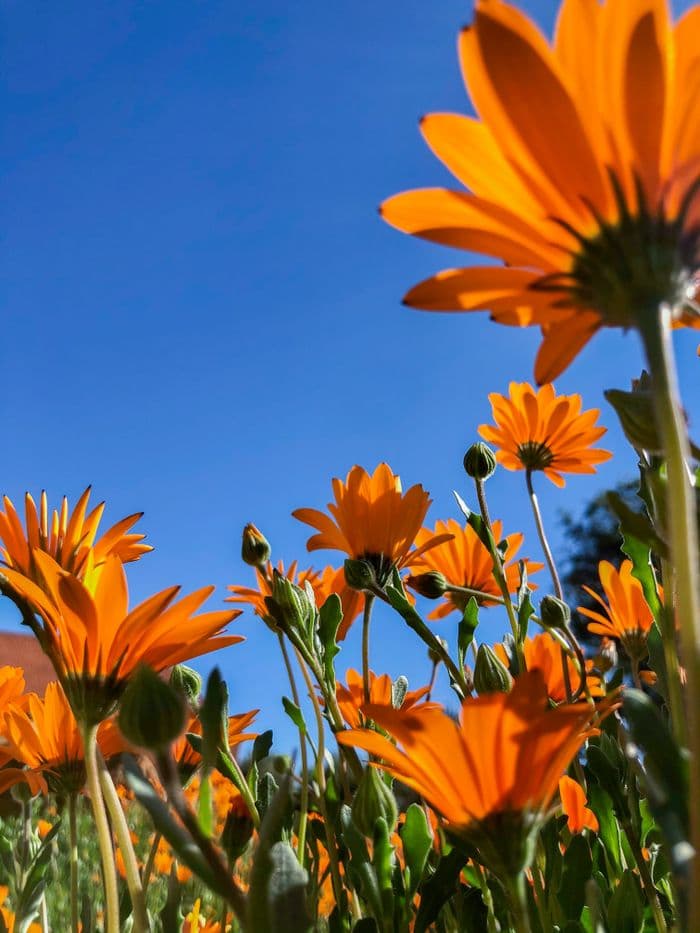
(581, 172)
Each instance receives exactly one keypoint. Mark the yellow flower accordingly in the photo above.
(581, 168)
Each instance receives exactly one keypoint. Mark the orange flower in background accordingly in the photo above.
(540, 430)
(351, 697)
(8, 915)
(372, 519)
(195, 922)
(581, 168)
(324, 583)
(573, 804)
(627, 613)
(69, 537)
(505, 755)
(465, 561)
(43, 735)
(95, 642)
(543, 654)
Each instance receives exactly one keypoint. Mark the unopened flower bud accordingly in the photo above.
(255, 548)
(187, 682)
(432, 584)
(554, 613)
(293, 607)
(607, 657)
(373, 799)
(237, 831)
(490, 673)
(399, 689)
(152, 713)
(360, 574)
(480, 461)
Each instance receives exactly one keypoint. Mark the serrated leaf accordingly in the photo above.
(636, 525)
(330, 617)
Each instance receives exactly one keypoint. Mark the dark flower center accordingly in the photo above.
(633, 265)
(535, 455)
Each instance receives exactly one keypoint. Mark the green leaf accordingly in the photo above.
(383, 862)
(417, 840)
(609, 831)
(262, 746)
(330, 617)
(28, 899)
(295, 714)
(360, 865)
(577, 870)
(266, 791)
(173, 832)
(467, 627)
(205, 806)
(626, 907)
(213, 716)
(636, 525)
(437, 889)
(638, 552)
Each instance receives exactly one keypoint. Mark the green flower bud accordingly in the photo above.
(255, 548)
(187, 682)
(480, 461)
(152, 713)
(294, 607)
(399, 689)
(490, 673)
(237, 831)
(373, 798)
(554, 613)
(360, 574)
(636, 413)
(432, 584)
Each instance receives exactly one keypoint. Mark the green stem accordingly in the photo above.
(656, 335)
(670, 646)
(304, 792)
(517, 902)
(549, 557)
(74, 864)
(104, 836)
(650, 891)
(141, 923)
(366, 619)
(500, 576)
(321, 780)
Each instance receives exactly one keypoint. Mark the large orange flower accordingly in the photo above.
(465, 561)
(373, 519)
(627, 613)
(95, 642)
(324, 583)
(351, 697)
(503, 758)
(581, 171)
(69, 537)
(542, 653)
(540, 430)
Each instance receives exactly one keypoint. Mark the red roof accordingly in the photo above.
(20, 650)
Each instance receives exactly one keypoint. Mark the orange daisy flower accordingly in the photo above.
(95, 642)
(543, 654)
(581, 168)
(465, 561)
(373, 520)
(540, 430)
(69, 537)
(492, 775)
(573, 804)
(351, 697)
(627, 613)
(44, 737)
(329, 580)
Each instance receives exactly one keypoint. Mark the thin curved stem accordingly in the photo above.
(150, 862)
(104, 836)
(655, 326)
(304, 790)
(366, 619)
(133, 879)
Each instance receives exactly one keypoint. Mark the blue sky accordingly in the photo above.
(202, 307)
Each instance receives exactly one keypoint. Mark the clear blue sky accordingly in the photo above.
(202, 308)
